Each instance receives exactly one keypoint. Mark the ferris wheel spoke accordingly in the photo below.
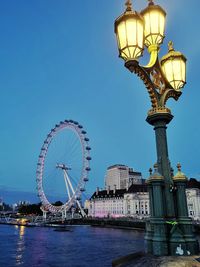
(73, 180)
(66, 183)
(72, 189)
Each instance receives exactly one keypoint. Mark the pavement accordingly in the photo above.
(144, 260)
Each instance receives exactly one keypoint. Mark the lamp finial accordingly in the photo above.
(170, 46)
(151, 2)
(128, 5)
(179, 167)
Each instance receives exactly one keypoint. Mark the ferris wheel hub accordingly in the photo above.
(63, 167)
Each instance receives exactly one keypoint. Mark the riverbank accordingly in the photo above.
(111, 223)
(115, 223)
(105, 222)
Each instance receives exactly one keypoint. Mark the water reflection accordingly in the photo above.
(84, 246)
(20, 245)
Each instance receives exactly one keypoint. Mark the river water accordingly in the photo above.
(83, 246)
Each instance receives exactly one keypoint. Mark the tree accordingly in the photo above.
(30, 209)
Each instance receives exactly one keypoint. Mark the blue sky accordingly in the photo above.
(59, 60)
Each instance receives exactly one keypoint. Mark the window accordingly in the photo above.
(190, 206)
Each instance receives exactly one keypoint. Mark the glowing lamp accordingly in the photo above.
(174, 67)
(129, 30)
(154, 24)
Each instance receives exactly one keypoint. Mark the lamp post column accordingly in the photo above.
(159, 121)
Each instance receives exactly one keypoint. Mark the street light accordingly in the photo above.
(174, 67)
(169, 229)
(129, 30)
(154, 24)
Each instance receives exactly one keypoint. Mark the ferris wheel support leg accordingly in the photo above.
(72, 189)
(81, 209)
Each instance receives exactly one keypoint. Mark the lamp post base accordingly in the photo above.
(155, 237)
(163, 240)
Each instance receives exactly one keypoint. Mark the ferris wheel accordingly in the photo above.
(63, 167)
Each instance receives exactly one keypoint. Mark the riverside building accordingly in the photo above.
(193, 198)
(121, 177)
(134, 202)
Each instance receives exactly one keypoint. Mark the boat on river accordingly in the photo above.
(62, 229)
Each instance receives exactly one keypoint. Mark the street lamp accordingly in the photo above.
(174, 67)
(169, 229)
(129, 31)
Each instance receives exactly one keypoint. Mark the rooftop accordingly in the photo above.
(134, 188)
(193, 183)
(117, 166)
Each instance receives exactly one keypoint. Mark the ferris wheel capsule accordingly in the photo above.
(82, 189)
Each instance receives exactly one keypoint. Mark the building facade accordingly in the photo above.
(120, 202)
(134, 202)
(121, 177)
(193, 198)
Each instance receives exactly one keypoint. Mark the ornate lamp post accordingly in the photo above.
(169, 230)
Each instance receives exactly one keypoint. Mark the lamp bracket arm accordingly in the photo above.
(144, 74)
(169, 93)
(162, 86)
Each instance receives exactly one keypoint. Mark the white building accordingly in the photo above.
(134, 202)
(193, 198)
(121, 177)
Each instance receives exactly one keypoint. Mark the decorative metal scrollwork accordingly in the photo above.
(159, 89)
